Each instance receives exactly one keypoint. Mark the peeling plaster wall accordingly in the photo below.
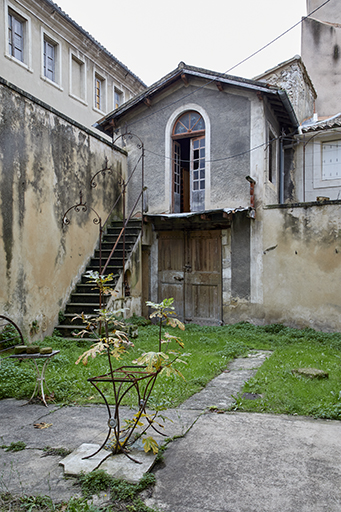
(45, 161)
(229, 115)
(329, 12)
(321, 53)
(302, 264)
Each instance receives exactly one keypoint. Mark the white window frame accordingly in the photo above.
(169, 154)
(324, 146)
(77, 56)
(119, 91)
(46, 36)
(27, 41)
(103, 98)
(314, 152)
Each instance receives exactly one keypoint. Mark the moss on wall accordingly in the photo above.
(45, 161)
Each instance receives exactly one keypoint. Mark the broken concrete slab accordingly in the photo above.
(119, 465)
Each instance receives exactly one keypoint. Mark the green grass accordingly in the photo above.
(210, 349)
(283, 392)
(119, 496)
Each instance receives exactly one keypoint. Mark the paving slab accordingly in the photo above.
(230, 462)
(119, 465)
(240, 462)
(220, 392)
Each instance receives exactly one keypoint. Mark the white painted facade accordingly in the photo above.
(84, 82)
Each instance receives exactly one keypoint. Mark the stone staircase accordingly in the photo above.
(85, 299)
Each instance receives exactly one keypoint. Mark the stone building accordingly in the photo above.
(232, 230)
(214, 155)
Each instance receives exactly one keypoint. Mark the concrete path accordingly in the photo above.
(230, 462)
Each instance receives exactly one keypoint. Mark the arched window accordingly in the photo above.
(189, 163)
(189, 122)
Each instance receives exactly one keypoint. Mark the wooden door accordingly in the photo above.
(171, 269)
(203, 278)
(190, 272)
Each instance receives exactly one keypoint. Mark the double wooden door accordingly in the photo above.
(190, 272)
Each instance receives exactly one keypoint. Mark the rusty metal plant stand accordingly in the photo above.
(123, 380)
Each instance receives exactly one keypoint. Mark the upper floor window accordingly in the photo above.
(188, 123)
(50, 55)
(118, 98)
(51, 70)
(189, 162)
(16, 35)
(331, 160)
(272, 156)
(99, 93)
(78, 78)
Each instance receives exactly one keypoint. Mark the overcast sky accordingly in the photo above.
(152, 36)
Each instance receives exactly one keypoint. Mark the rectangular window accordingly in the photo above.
(16, 29)
(50, 55)
(331, 160)
(118, 98)
(198, 163)
(77, 77)
(98, 93)
(272, 156)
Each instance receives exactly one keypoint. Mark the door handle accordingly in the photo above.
(177, 278)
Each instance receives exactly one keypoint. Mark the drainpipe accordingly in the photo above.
(281, 172)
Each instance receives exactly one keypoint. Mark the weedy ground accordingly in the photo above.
(118, 496)
(208, 349)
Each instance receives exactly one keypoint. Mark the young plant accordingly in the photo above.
(160, 361)
(112, 339)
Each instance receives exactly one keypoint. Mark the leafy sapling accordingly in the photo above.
(161, 361)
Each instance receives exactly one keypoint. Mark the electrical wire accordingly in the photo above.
(217, 159)
(230, 69)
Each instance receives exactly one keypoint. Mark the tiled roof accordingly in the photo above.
(325, 124)
(92, 39)
(277, 96)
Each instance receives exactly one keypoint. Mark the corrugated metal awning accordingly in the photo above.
(206, 219)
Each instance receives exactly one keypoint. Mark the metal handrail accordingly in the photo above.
(122, 231)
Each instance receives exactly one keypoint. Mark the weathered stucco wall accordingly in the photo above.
(45, 160)
(321, 53)
(228, 132)
(329, 12)
(302, 263)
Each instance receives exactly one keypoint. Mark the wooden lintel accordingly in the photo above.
(220, 86)
(184, 79)
(147, 102)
